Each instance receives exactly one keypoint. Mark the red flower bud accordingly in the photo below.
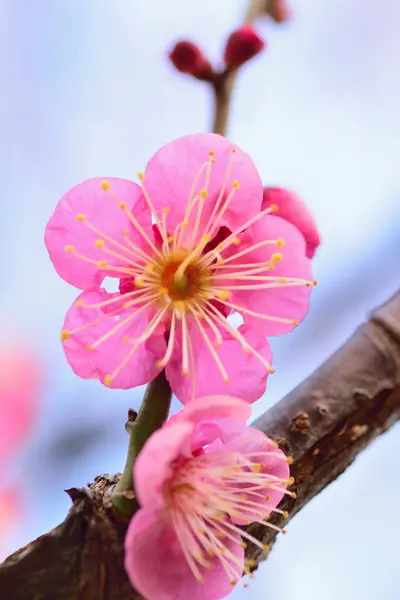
(188, 58)
(242, 45)
(279, 11)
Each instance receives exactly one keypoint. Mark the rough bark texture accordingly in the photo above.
(323, 424)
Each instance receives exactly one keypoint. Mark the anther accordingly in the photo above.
(233, 150)
(139, 282)
(105, 185)
(271, 370)
(274, 208)
(280, 242)
(107, 380)
(277, 257)
(211, 153)
(285, 514)
(171, 239)
(69, 248)
(295, 322)
(266, 548)
(65, 334)
(293, 495)
(289, 460)
(126, 339)
(99, 243)
(141, 175)
(79, 303)
(236, 241)
(80, 217)
(290, 481)
(235, 184)
(101, 264)
(223, 294)
(203, 193)
(227, 380)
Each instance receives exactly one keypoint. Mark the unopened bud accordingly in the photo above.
(188, 58)
(243, 44)
(278, 10)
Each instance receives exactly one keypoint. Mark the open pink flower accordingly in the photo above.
(19, 395)
(197, 480)
(189, 246)
(293, 209)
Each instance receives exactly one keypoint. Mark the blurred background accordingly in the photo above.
(87, 91)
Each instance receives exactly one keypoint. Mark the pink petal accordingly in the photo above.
(158, 569)
(251, 441)
(293, 209)
(104, 359)
(88, 198)
(289, 301)
(247, 375)
(214, 407)
(154, 465)
(170, 174)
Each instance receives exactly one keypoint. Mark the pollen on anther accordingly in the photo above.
(295, 322)
(285, 514)
(122, 205)
(271, 370)
(105, 185)
(289, 460)
(141, 175)
(65, 334)
(139, 282)
(166, 210)
(223, 294)
(99, 243)
(266, 548)
(69, 248)
(274, 208)
(277, 257)
(227, 380)
(80, 217)
(79, 303)
(102, 264)
(236, 241)
(203, 193)
(107, 380)
(211, 153)
(280, 242)
(233, 150)
(171, 239)
(235, 184)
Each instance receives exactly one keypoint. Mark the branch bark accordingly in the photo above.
(324, 423)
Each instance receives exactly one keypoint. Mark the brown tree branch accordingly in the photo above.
(324, 423)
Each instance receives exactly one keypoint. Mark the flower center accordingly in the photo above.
(193, 283)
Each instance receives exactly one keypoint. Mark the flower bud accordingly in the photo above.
(291, 208)
(278, 10)
(188, 58)
(242, 45)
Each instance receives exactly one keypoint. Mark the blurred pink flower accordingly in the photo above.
(197, 480)
(19, 396)
(10, 511)
(294, 210)
(210, 250)
(242, 45)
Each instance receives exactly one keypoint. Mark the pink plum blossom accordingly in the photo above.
(293, 209)
(197, 480)
(190, 246)
(19, 395)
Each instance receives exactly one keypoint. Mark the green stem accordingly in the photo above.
(151, 416)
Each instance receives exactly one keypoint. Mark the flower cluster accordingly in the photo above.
(210, 474)
(190, 246)
(198, 241)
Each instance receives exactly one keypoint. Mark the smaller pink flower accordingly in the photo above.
(294, 210)
(197, 480)
(19, 395)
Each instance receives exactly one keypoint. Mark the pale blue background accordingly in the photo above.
(86, 90)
